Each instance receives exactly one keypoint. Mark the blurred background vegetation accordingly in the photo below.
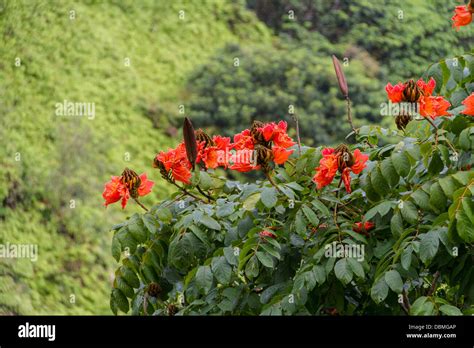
(226, 62)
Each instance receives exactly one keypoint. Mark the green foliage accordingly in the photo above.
(417, 260)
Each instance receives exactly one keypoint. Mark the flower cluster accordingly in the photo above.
(420, 92)
(252, 149)
(129, 184)
(363, 228)
(462, 15)
(339, 159)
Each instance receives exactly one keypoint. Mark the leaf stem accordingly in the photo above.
(140, 204)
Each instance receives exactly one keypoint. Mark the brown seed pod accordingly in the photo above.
(172, 309)
(190, 141)
(154, 289)
(341, 78)
(258, 135)
(344, 157)
(201, 136)
(412, 92)
(164, 173)
(264, 156)
(402, 121)
(132, 181)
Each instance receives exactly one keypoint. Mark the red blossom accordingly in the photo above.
(176, 161)
(469, 105)
(395, 93)
(434, 107)
(115, 189)
(360, 227)
(266, 233)
(462, 16)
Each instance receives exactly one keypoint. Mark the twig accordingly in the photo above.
(204, 194)
(271, 181)
(349, 114)
(187, 192)
(297, 133)
(433, 284)
(436, 134)
(405, 302)
(140, 204)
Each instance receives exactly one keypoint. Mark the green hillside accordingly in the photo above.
(53, 167)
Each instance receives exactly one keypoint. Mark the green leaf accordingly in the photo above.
(251, 201)
(310, 215)
(382, 209)
(394, 281)
(379, 290)
(406, 257)
(204, 279)
(221, 269)
(422, 307)
(265, 259)
(231, 256)
(164, 214)
(321, 207)
(205, 181)
(401, 163)
(436, 164)
(450, 310)
(356, 267)
(120, 300)
(130, 277)
(150, 223)
(389, 172)
(422, 199)
(429, 243)
(251, 268)
(122, 285)
(319, 274)
(465, 226)
(379, 183)
(300, 223)
(269, 197)
(396, 224)
(116, 248)
(409, 212)
(269, 249)
(437, 198)
(448, 185)
(295, 186)
(209, 222)
(138, 231)
(343, 272)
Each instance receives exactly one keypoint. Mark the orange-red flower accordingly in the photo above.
(434, 106)
(327, 169)
(243, 140)
(462, 16)
(176, 161)
(469, 103)
(395, 93)
(115, 189)
(360, 227)
(277, 134)
(427, 87)
(329, 165)
(280, 154)
(215, 155)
